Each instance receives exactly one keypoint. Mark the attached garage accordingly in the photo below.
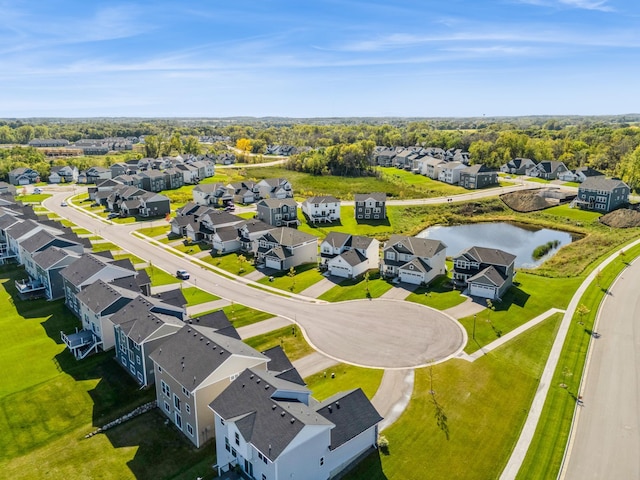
(413, 277)
(483, 291)
(273, 262)
(340, 271)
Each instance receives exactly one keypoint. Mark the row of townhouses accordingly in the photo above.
(209, 384)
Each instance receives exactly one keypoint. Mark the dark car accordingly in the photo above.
(182, 274)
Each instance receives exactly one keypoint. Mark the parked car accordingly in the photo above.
(63, 204)
(37, 190)
(182, 274)
(230, 207)
(112, 215)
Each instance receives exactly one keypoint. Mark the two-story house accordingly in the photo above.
(370, 206)
(477, 176)
(215, 194)
(486, 272)
(274, 188)
(449, 172)
(579, 175)
(413, 260)
(272, 428)
(324, 208)
(278, 212)
(518, 166)
(348, 256)
(547, 169)
(284, 247)
(23, 176)
(602, 194)
(63, 174)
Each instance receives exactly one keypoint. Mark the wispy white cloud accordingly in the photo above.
(598, 5)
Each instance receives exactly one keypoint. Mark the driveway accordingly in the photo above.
(400, 291)
(324, 285)
(465, 309)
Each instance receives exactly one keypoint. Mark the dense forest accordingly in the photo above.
(610, 144)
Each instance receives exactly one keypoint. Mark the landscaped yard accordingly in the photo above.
(289, 338)
(439, 295)
(304, 276)
(356, 289)
(577, 214)
(347, 377)
(195, 296)
(241, 315)
(160, 277)
(50, 401)
(234, 263)
(464, 418)
(155, 231)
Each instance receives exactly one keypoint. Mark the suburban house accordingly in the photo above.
(370, 206)
(249, 232)
(49, 142)
(602, 194)
(20, 231)
(547, 169)
(191, 369)
(140, 327)
(518, 166)
(579, 175)
(477, 176)
(384, 156)
(413, 260)
(284, 247)
(48, 265)
(215, 194)
(94, 174)
(147, 205)
(153, 180)
(274, 188)
(321, 209)
(63, 174)
(450, 172)
(23, 176)
(244, 192)
(348, 256)
(430, 166)
(278, 212)
(486, 272)
(272, 428)
(173, 178)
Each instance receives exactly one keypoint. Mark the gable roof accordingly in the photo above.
(420, 247)
(51, 256)
(218, 321)
(281, 366)
(322, 199)
(289, 237)
(100, 295)
(352, 257)
(337, 239)
(488, 276)
(602, 183)
(85, 267)
(195, 352)
(351, 412)
(137, 320)
(278, 202)
(376, 196)
(492, 256)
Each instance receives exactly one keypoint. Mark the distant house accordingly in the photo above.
(486, 272)
(602, 194)
(153, 180)
(348, 256)
(63, 174)
(278, 212)
(518, 166)
(321, 209)
(23, 176)
(95, 174)
(49, 142)
(579, 175)
(370, 206)
(477, 176)
(283, 248)
(547, 169)
(271, 427)
(48, 265)
(450, 172)
(215, 194)
(413, 260)
(384, 156)
(430, 167)
(191, 369)
(147, 205)
(274, 188)
(244, 192)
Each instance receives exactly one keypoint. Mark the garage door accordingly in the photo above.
(271, 262)
(410, 277)
(482, 291)
(339, 271)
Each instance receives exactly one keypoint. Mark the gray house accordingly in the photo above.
(477, 176)
(370, 206)
(547, 169)
(486, 272)
(23, 176)
(278, 212)
(284, 247)
(602, 194)
(518, 166)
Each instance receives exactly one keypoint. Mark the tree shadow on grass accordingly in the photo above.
(370, 468)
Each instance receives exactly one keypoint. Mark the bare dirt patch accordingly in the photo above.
(524, 202)
(622, 218)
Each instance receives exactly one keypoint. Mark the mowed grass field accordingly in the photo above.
(49, 402)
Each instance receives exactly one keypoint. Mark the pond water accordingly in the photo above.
(511, 238)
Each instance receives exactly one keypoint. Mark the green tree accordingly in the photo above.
(24, 134)
(292, 275)
(192, 145)
(6, 134)
(582, 310)
(629, 169)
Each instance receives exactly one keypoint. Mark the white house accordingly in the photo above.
(450, 172)
(284, 247)
(272, 429)
(274, 188)
(321, 209)
(413, 260)
(348, 256)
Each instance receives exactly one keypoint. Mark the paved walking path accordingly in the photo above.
(324, 285)
(263, 327)
(207, 307)
(465, 309)
(314, 363)
(399, 291)
(393, 395)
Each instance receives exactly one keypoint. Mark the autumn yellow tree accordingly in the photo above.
(244, 144)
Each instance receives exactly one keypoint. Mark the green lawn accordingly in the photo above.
(356, 289)
(576, 214)
(537, 180)
(241, 315)
(531, 296)
(192, 247)
(155, 231)
(347, 377)
(160, 277)
(438, 295)
(104, 246)
(134, 260)
(411, 181)
(195, 296)
(305, 276)
(464, 418)
(230, 263)
(50, 401)
(33, 197)
(545, 454)
(294, 344)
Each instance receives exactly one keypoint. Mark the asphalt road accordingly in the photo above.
(375, 333)
(605, 442)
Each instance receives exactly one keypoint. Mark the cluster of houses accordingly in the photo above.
(448, 166)
(209, 384)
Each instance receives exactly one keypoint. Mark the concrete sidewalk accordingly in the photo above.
(313, 363)
(207, 307)
(393, 395)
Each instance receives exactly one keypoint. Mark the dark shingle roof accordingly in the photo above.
(602, 183)
(281, 366)
(289, 236)
(492, 256)
(351, 412)
(353, 257)
(488, 276)
(217, 321)
(51, 256)
(99, 296)
(173, 297)
(323, 199)
(138, 322)
(420, 247)
(337, 239)
(377, 196)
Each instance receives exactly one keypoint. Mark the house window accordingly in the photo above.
(321, 461)
(233, 452)
(260, 455)
(185, 392)
(176, 402)
(178, 421)
(138, 359)
(159, 368)
(237, 438)
(264, 477)
(167, 407)
(189, 429)
(165, 388)
(187, 408)
(226, 444)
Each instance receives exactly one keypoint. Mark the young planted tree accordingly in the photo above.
(292, 275)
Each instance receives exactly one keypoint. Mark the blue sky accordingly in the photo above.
(68, 58)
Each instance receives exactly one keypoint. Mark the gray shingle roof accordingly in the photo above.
(138, 322)
(420, 247)
(278, 203)
(602, 183)
(492, 256)
(377, 196)
(323, 199)
(51, 256)
(288, 236)
(100, 296)
(353, 257)
(337, 239)
(488, 276)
